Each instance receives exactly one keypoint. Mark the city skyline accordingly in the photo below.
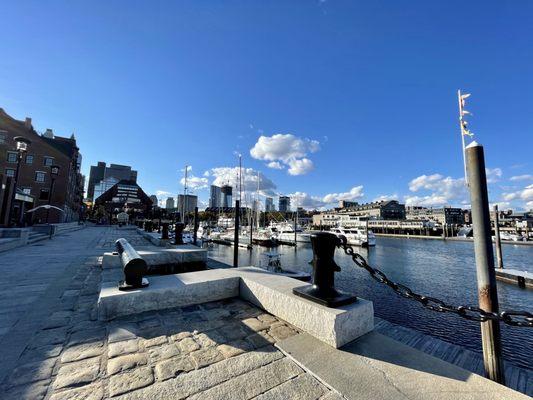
(327, 100)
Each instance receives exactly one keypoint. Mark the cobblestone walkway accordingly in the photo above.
(220, 350)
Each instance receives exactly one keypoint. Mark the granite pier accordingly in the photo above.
(55, 347)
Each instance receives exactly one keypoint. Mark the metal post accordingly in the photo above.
(236, 234)
(295, 225)
(14, 193)
(50, 197)
(251, 219)
(497, 239)
(195, 234)
(486, 276)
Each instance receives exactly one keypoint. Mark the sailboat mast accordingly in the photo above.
(257, 211)
(183, 207)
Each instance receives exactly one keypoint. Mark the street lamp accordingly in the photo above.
(54, 172)
(22, 147)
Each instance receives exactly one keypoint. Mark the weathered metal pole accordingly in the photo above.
(497, 240)
(195, 234)
(251, 219)
(236, 234)
(486, 276)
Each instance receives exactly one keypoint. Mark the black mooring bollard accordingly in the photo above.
(164, 232)
(133, 265)
(178, 232)
(323, 291)
(148, 226)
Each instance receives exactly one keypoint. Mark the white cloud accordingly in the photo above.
(529, 205)
(439, 190)
(275, 165)
(522, 178)
(426, 201)
(229, 176)
(300, 167)
(386, 197)
(195, 182)
(307, 201)
(425, 182)
(502, 205)
(206, 174)
(525, 194)
(493, 174)
(162, 193)
(304, 200)
(355, 193)
(286, 149)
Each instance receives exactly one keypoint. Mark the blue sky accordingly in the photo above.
(338, 99)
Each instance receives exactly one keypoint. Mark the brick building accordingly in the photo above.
(34, 178)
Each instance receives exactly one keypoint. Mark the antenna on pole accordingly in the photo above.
(463, 124)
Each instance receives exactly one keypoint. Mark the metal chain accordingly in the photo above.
(510, 317)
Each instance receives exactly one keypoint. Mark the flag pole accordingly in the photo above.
(462, 133)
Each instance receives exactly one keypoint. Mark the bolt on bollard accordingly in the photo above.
(323, 291)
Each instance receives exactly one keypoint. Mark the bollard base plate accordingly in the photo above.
(332, 300)
(122, 285)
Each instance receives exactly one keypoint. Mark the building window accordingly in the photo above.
(11, 157)
(26, 190)
(43, 195)
(48, 161)
(10, 172)
(3, 137)
(39, 176)
(29, 159)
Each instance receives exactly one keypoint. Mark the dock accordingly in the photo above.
(523, 279)
(519, 379)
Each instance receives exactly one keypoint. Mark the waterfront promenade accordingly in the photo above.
(53, 347)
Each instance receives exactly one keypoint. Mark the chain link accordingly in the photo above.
(510, 317)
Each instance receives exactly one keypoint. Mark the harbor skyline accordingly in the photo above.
(328, 100)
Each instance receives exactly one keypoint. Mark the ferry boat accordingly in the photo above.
(284, 231)
(356, 236)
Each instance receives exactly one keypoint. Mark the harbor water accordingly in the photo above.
(436, 268)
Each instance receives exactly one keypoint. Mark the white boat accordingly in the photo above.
(356, 236)
(511, 237)
(284, 231)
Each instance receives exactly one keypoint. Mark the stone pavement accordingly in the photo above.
(54, 348)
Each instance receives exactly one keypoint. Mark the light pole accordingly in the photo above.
(22, 147)
(54, 172)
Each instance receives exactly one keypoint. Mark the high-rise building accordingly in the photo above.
(269, 204)
(101, 172)
(169, 203)
(187, 203)
(215, 196)
(284, 204)
(103, 186)
(226, 192)
(155, 203)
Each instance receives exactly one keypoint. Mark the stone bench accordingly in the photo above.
(273, 293)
